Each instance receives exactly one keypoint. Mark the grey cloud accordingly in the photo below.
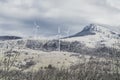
(20, 15)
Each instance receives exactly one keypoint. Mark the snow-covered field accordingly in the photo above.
(43, 59)
(94, 40)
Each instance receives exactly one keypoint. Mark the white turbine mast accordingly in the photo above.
(59, 36)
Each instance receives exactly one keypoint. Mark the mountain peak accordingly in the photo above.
(95, 28)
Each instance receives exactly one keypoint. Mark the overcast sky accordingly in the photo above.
(18, 17)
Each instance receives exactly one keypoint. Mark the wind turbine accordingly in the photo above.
(37, 27)
(67, 33)
(59, 37)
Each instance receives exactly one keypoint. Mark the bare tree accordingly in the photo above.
(9, 59)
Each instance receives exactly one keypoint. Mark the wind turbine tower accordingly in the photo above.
(59, 36)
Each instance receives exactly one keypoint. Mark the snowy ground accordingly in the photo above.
(43, 59)
(95, 40)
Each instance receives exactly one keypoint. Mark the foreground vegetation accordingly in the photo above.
(91, 70)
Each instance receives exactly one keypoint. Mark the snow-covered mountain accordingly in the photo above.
(93, 29)
(96, 35)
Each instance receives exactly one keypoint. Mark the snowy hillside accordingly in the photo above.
(95, 35)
